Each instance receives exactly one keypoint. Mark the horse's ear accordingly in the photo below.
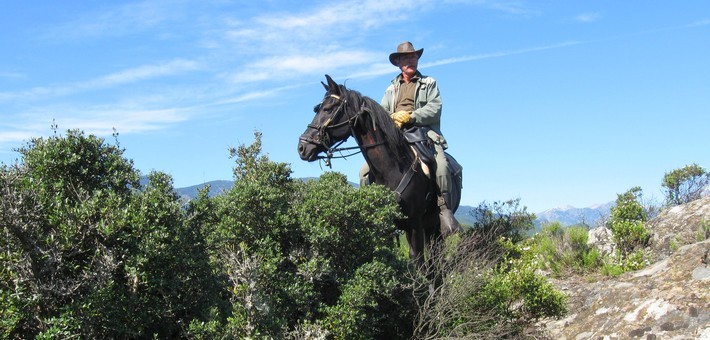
(326, 86)
(332, 86)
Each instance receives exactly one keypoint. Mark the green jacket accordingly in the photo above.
(427, 105)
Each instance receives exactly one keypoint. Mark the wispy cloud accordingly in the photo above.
(99, 120)
(514, 7)
(498, 54)
(253, 95)
(325, 38)
(296, 65)
(587, 17)
(118, 20)
(266, 51)
(145, 72)
(333, 26)
(122, 77)
(16, 135)
(703, 22)
(12, 75)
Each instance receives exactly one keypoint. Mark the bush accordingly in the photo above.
(89, 253)
(627, 222)
(295, 254)
(86, 253)
(685, 184)
(564, 250)
(373, 305)
(518, 292)
(486, 284)
(502, 219)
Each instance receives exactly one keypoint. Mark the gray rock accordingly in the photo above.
(669, 299)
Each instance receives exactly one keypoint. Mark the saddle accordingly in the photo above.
(423, 146)
(417, 137)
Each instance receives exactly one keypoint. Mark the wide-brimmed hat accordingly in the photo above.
(405, 48)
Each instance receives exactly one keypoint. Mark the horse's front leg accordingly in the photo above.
(415, 238)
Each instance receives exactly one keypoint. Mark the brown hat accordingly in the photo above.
(405, 48)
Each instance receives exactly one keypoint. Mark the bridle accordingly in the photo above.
(323, 137)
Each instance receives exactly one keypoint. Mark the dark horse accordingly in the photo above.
(393, 163)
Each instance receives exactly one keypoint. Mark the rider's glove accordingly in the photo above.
(401, 118)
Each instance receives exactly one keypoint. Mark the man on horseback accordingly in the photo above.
(414, 99)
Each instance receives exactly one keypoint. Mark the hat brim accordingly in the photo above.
(394, 55)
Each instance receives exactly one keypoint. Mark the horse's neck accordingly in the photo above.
(383, 162)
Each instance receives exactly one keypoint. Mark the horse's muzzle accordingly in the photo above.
(307, 151)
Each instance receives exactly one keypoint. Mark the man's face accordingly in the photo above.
(408, 63)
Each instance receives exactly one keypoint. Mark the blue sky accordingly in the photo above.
(553, 102)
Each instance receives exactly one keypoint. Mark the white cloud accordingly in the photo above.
(119, 20)
(122, 77)
(101, 121)
(16, 136)
(498, 54)
(288, 66)
(587, 17)
(698, 23)
(515, 7)
(12, 75)
(145, 72)
(98, 120)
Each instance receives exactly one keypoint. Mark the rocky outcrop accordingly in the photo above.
(678, 226)
(669, 299)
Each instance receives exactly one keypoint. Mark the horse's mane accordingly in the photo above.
(394, 137)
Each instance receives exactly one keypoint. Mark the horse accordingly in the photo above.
(393, 163)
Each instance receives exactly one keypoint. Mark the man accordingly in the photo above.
(413, 98)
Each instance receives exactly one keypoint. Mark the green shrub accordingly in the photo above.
(627, 222)
(371, 305)
(685, 184)
(703, 231)
(502, 219)
(564, 250)
(517, 293)
(615, 266)
(90, 255)
(290, 250)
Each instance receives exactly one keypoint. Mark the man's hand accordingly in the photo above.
(401, 118)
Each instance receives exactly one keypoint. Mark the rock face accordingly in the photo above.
(678, 226)
(669, 299)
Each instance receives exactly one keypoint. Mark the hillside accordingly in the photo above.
(669, 299)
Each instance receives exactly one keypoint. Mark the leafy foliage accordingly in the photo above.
(685, 184)
(89, 253)
(487, 286)
(627, 221)
(502, 219)
(564, 250)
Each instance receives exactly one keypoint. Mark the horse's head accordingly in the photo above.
(330, 125)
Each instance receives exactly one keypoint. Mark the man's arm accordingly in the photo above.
(430, 112)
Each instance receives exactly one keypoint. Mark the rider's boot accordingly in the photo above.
(449, 224)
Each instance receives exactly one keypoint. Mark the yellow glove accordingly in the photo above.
(401, 118)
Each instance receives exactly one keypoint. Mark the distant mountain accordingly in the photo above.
(566, 216)
(569, 215)
(216, 188)
(464, 216)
